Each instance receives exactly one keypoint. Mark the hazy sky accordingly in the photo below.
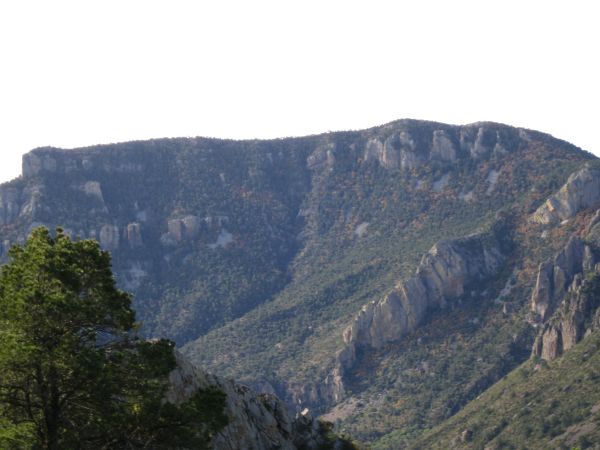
(79, 73)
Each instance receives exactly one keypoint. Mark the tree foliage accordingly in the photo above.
(73, 373)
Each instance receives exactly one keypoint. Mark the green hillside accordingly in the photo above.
(539, 405)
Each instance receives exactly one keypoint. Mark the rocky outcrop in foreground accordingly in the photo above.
(443, 275)
(581, 190)
(256, 421)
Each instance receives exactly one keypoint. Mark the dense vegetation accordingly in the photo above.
(73, 374)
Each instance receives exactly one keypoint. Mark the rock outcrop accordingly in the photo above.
(322, 157)
(582, 190)
(109, 237)
(442, 276)
(565, 298)
(9, 205)
(185, 228)
(556, 274)
(482, 141)
(17, 202)
(256, 421)
(93, 189)
(577, 316)
(133, 235)
(407, 152)
(442, 147)
(34, 163)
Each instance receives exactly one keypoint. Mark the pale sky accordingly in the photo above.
(78, 73)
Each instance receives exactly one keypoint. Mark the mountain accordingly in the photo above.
(383, 278)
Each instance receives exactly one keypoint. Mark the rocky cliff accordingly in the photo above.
(565, 299)
(256, 421)
(576, 317)
(582, 190)
(565, 296)
(445, 273)
(442, 276)
(556, 275)
(408, 149)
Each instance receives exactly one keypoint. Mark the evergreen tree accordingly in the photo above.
(73, 373)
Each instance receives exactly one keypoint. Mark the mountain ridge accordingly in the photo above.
(256, 255)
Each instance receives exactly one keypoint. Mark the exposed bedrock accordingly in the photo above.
(565, 299)
(443, 275)
(576, 317)
(403, 149)
(581, 191)
(556, 274)
(256, 421)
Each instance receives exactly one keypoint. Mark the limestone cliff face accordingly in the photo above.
(18, 202)
(577, 316)
(442, 276)
(556, 274)
(256, 421)
(565, 298)
(52, 160)
(405, 150)
(581, 190)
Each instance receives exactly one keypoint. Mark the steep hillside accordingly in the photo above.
(381, 276)
(539, 405)
(188, 221)
(294, 343)
(563, 309)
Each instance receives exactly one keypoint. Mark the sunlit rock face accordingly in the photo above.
(442, 276)
(581, 190)
(565, 301)
(556, 274)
